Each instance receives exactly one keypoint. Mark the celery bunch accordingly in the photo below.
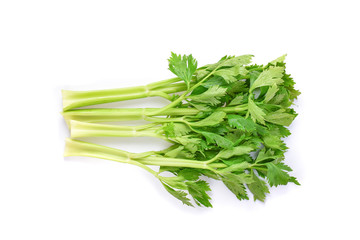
(225, 121)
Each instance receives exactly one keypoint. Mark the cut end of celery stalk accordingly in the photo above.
(75, 128)
(85, 149)
(78, 148)
(66, 95)
(70, 149)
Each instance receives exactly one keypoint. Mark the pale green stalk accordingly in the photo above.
(128, 114)
(76, 99)
(85, 149)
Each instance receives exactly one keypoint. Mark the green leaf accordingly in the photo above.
(183, 66)
(198, 191)
(209, 174)
(189, 174)
(186, 154)
(237, 159)
(169, 129)
(236, 151)
(235, 183)
(253, 76)
(229, 74)
(280, 117)
(288, 169)
(190, 143)
(214, 119)
(279, 60)
(271, 93)
(266, 156)
(181, 195)
(217, 139)
(181, 129)
(278, 98)
(237, 88)
(244, 178)
(240, 60)
(275, 175)
(214, 81)
(241, 123)
(175, 129)
(200, 106)
(284, 167)
(198, 90)
(220, 129)
(237, 100)
(211, 96)
(283, 131)
(174, 182)
(268, 78)
(229, 61)
(273, 141)
(175, 152)
(258, 188)
(236, 137)
(200, 74)
(236, 167)
(293, 180)
(289, 85)
(256, 113)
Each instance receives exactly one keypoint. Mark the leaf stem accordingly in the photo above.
(182, 97)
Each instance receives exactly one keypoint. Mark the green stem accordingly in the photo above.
(217, 165)
(121, 114)
(76, 99)
(85, 149)
(79, 148)
(173, 162)
(164, 120)
(162, 83)
(214, 158)
(127, 114)
(160, 94)
(145, 126)
(260, 168)
(84, 129)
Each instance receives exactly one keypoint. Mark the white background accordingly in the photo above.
(46, 46)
